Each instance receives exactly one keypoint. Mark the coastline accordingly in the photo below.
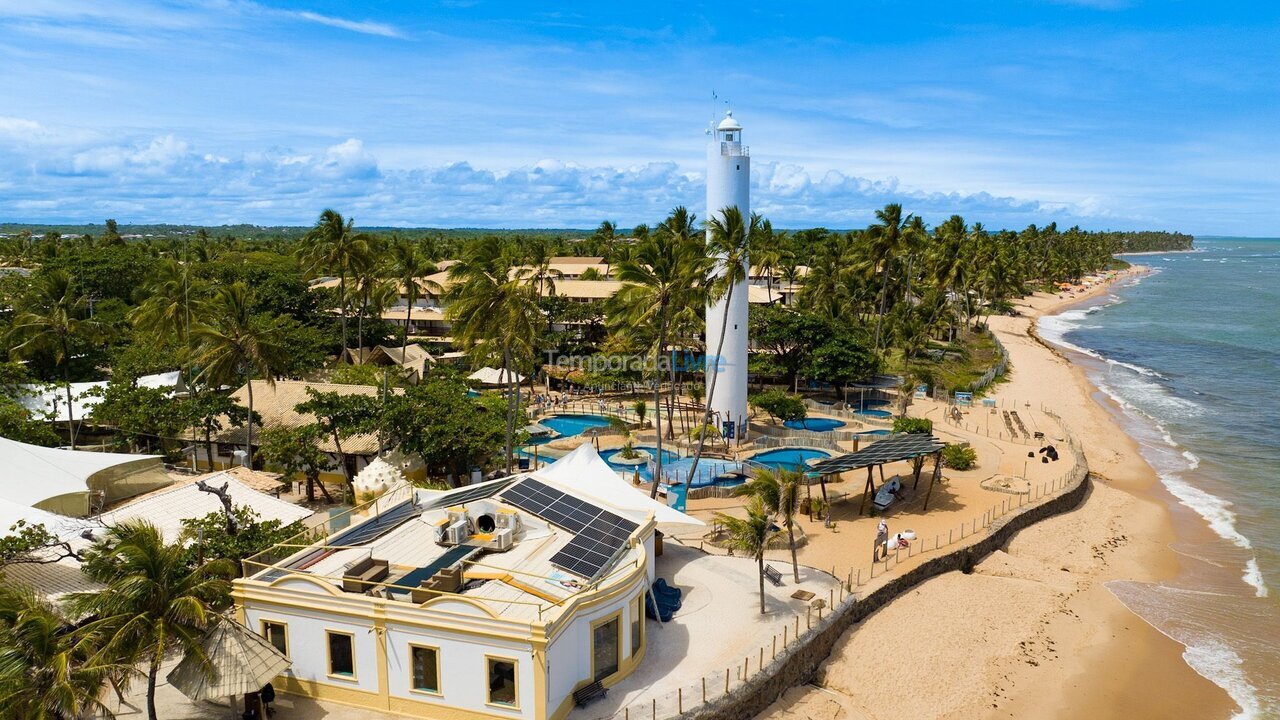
(1033, 632)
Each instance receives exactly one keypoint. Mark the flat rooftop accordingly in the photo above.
(552, 552)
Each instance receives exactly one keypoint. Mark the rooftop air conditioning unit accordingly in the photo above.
(456, 534)
(508, 521)
(504, 539)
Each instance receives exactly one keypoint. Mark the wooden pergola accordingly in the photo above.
(902, 446)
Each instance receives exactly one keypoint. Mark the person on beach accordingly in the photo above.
(882, 541)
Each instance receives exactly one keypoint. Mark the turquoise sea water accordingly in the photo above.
(1191, 354)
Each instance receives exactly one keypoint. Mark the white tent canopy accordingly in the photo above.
(11, 513)
(31, 475)
(494, 376)
(52, 399)
(584, 472)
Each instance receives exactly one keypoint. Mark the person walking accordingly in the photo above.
(882, 541)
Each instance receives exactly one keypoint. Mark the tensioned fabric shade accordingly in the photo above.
(903, 446)
(242, 663)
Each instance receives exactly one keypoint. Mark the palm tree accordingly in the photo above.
(779, 493)
(333, 246)
(658, 280)
(47, 671)
(410, 266)
(236, 345)
(538, 256)
(494, 312)
(153, 603)
(766, 254)
(750, 535)
(884, 244)
(729, 242)
(53, 320)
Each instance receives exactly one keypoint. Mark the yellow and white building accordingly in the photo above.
(496, 600)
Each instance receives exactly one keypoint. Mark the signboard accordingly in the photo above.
(922, 392)
(964, 398)
(728, 429)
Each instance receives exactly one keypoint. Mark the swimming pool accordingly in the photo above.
(646, 474)
(789, 458)
(876, 432)
(815, 424)
(571, 425)
(875, 413)
(711, 471)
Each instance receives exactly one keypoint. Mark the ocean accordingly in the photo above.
(1189, 354)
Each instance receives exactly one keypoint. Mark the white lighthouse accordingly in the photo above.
(728, 185)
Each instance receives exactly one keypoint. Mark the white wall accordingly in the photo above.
(569, 653)
(308, 648)
(463, 670)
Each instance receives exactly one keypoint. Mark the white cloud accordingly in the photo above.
(366, 27)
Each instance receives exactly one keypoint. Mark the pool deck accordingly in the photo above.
(718, 626)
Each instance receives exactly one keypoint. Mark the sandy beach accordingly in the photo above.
(1033, 632)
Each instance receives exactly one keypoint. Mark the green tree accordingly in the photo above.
(333, 245)
(842, 360)
(411, 267)
(17, 423)
(339, 417)
(235, 345)
(495, 315)
(884, 243)
(778, 493)
(53, 322)
(48, 671)
(729, 239)
(154, 602)
(750, 535)
(296, 451)
(207, 537)
(779, 405)
(450, 430)
(659, 278)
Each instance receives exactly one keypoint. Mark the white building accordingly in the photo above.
(728, 185)
(497, 600)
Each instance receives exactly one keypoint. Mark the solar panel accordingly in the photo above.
(598, 533)
(902, 446)
(467, 494)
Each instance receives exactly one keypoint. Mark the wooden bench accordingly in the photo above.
(772, 575)
(587, 693)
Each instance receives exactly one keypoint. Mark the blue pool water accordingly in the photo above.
(876, 432)
(711, 471)
(875, 413)
(646, 474)
(815, 424)
(789, 458)
(571, 425)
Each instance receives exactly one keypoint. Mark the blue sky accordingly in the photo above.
(1103, 113)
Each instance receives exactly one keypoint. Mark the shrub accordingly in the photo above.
(779, 405)
(959, 457)
(904, 424)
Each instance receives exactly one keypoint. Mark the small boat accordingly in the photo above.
(887, 494)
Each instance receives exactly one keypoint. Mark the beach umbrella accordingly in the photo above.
(242, 662)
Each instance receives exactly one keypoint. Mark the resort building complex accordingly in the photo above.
(495, 600)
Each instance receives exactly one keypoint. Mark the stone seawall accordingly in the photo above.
(799, 663)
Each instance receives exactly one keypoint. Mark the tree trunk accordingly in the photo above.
(884, 298)
(249, 386)
(342, 311)
(208, 444)
(342, 460)
(512, 388)
(408, 320)
(760, 577)
(711, 391)
(71, 409)
(657, 405)
(152, 673)
(791, 539)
